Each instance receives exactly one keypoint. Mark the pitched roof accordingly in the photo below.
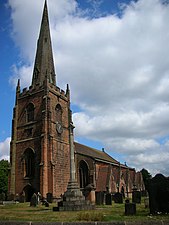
(94, 153)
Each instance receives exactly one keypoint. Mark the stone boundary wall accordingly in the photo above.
(87, 223)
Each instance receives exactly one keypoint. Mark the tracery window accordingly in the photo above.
(29, 163)
(30, 112)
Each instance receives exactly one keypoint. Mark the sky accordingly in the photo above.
(115, 57)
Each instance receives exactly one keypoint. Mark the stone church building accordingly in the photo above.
(40, 144)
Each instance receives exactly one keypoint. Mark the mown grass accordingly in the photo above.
(23, 212)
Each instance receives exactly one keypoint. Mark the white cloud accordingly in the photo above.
(117, 68)
(4, 149)
(22, 73)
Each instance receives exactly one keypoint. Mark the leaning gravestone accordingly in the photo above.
(158, 189)
(33, 201)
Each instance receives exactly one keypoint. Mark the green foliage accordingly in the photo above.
(4, 166)
(146, 177)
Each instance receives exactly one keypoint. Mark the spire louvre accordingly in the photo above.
(44, 63)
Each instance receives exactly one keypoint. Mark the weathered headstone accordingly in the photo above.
(130, 209)
(99, 198)
(118, 197)
(136, 197)
(49, 197)
(33, 201)
(38, 197)
(108, 199)
(158, 189)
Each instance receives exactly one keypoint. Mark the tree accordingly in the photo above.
(146, 177)
(4, 166)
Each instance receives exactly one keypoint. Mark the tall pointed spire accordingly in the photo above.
(44, 64)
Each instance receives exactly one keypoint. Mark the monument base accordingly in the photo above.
(73, 199)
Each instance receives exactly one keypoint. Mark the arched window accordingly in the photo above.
(83, 174)
(29, 163)
(58, 110)
(30, 112)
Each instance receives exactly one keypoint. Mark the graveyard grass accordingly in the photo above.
(23, 212)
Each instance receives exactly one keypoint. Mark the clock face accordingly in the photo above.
(59, 127)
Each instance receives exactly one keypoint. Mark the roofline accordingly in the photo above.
(101, 160)
(97, 159)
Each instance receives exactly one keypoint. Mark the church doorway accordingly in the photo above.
(83, 174)
(29, 191)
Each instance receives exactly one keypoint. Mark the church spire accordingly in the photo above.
(44, 64)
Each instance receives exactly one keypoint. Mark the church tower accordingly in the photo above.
(40, 145)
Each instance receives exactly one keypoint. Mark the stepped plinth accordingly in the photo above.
(74, 200)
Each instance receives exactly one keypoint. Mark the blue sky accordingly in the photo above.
(114, 55)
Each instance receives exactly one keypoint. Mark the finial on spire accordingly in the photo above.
(68, 91)
(18, 86)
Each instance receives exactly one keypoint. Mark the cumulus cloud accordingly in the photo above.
(117, 68)
(22, 74)
(4, 149)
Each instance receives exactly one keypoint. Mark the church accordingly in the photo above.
(42, 134)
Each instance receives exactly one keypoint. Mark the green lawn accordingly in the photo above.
(23, 212)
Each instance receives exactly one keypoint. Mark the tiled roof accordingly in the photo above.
(94, 153)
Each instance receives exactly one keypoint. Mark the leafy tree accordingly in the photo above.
(4, 166)
(146, 177)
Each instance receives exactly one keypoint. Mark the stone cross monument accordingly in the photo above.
(73, 199)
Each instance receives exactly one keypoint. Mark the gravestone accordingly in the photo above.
(99, 198)
(118, 198)
(108, 199)
(49, 197)
(130, 209)
(39, 197)
(136, 197)
(33, 201)
(158, 189)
